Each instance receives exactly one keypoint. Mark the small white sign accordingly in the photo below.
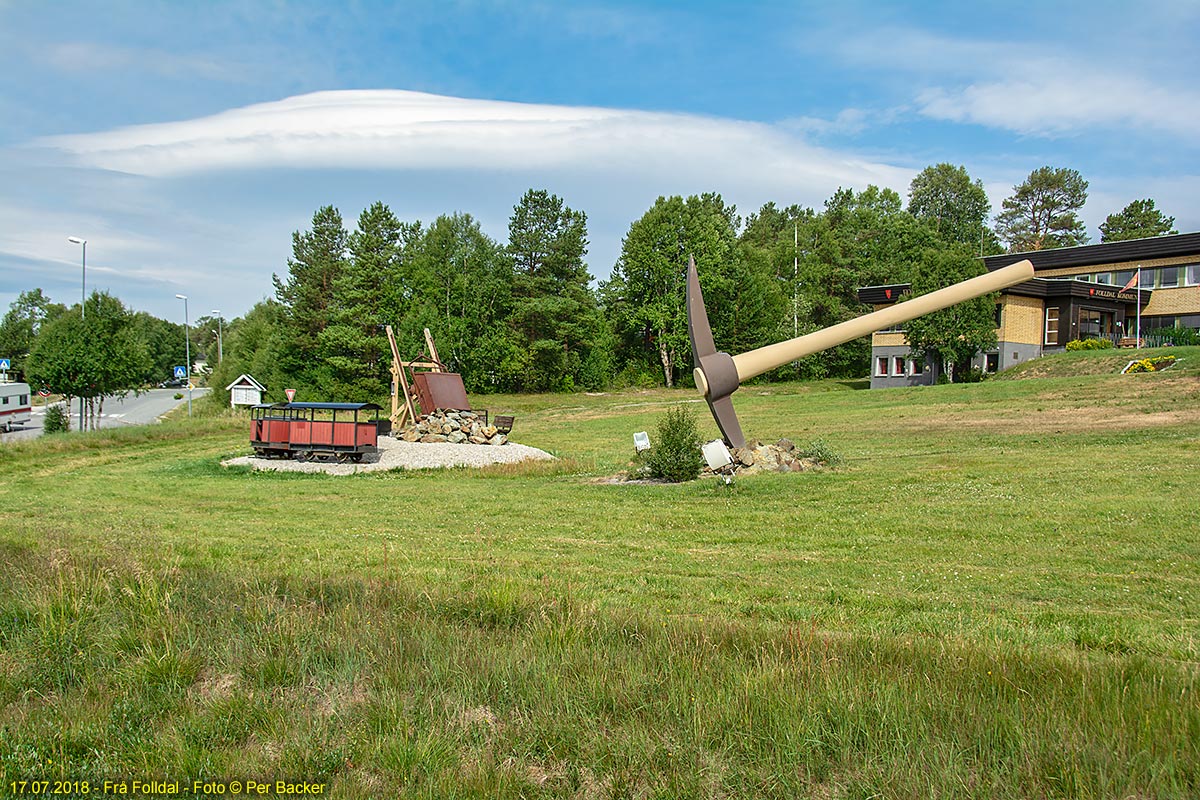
(641, 441)
(717, 455)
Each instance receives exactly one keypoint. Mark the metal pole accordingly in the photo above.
(795, 277)
(82, 302)
(1139, 307)
(82, 311)
(187, 349)
(220, 338)
(83, 284)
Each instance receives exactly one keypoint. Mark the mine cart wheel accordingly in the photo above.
(358, 458)
(260, 452)
(303, 455)
(343, 458)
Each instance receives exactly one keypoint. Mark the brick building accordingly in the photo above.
(1078, 293)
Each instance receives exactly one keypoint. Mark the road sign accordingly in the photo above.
(291, 394)
(191, 386)
(5, 364)
(181, 372)
(43, 393)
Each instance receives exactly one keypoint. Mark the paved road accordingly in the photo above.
(140, 410)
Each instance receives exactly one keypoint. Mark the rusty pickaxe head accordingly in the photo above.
(716, 376)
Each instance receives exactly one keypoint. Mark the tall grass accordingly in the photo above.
(995, 595)
(379, 690)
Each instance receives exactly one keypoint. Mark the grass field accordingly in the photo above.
(996, 594)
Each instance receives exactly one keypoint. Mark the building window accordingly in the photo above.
(1104, 277)
(999, 316)
(1124, 277)
(1168, 277)
(1191, 275)
(881, 367)
(1051, 326)
(898, 365)
(916, 367)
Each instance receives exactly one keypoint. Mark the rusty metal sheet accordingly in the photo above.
(441, 390)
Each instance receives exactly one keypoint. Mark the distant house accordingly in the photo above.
(1078, 293)
(245, 391)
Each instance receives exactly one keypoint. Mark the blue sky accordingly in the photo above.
(187, 141)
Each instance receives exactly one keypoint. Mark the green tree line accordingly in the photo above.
(523, 315)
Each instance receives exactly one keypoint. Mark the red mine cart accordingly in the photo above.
(344, 431)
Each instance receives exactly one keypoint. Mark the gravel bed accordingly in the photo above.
(397, 454)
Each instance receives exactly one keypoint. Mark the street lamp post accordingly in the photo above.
(187, 348)
(82, 302)
(83, 276)
(220, 338)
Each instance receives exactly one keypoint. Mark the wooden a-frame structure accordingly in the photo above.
(402, 383)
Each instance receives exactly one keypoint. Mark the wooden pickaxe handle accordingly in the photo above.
(765, 359)
(718, 374)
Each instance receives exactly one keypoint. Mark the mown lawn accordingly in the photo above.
(997, 594)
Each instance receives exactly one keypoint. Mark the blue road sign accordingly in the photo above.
(181, 372)
(5, 364)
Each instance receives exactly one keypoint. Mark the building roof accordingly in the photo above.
(1038, 287)
(246, 380)
(1180, 245)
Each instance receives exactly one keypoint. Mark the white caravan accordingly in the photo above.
(14, 405)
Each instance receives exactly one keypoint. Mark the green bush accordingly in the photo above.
(1177, 336)
(57, 420)
(821, 452)
(970, 375)
(676, 456)
(1089, 344)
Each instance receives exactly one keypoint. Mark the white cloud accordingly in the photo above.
(91, 56)
(403, 130)
(1035, 88)
(1063, 104)
(847, 121)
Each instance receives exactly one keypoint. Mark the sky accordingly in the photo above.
(186, 142)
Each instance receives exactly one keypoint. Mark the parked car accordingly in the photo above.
(173, 383)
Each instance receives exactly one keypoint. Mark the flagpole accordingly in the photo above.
(1139, 307)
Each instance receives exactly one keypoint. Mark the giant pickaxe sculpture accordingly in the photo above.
(718, 375)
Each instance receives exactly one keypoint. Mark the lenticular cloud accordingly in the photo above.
(391, 129)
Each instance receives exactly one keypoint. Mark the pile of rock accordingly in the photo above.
(779, 457)
(455, 427)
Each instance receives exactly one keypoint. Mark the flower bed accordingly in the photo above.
(1149, 364)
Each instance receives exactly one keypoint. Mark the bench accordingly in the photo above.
(503, 423)
(1128, 341)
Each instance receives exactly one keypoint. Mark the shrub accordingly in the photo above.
(970, 375)
(57, 420)
(820, 452)
(676, 455)
(1089, 344)
(1178, 336)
